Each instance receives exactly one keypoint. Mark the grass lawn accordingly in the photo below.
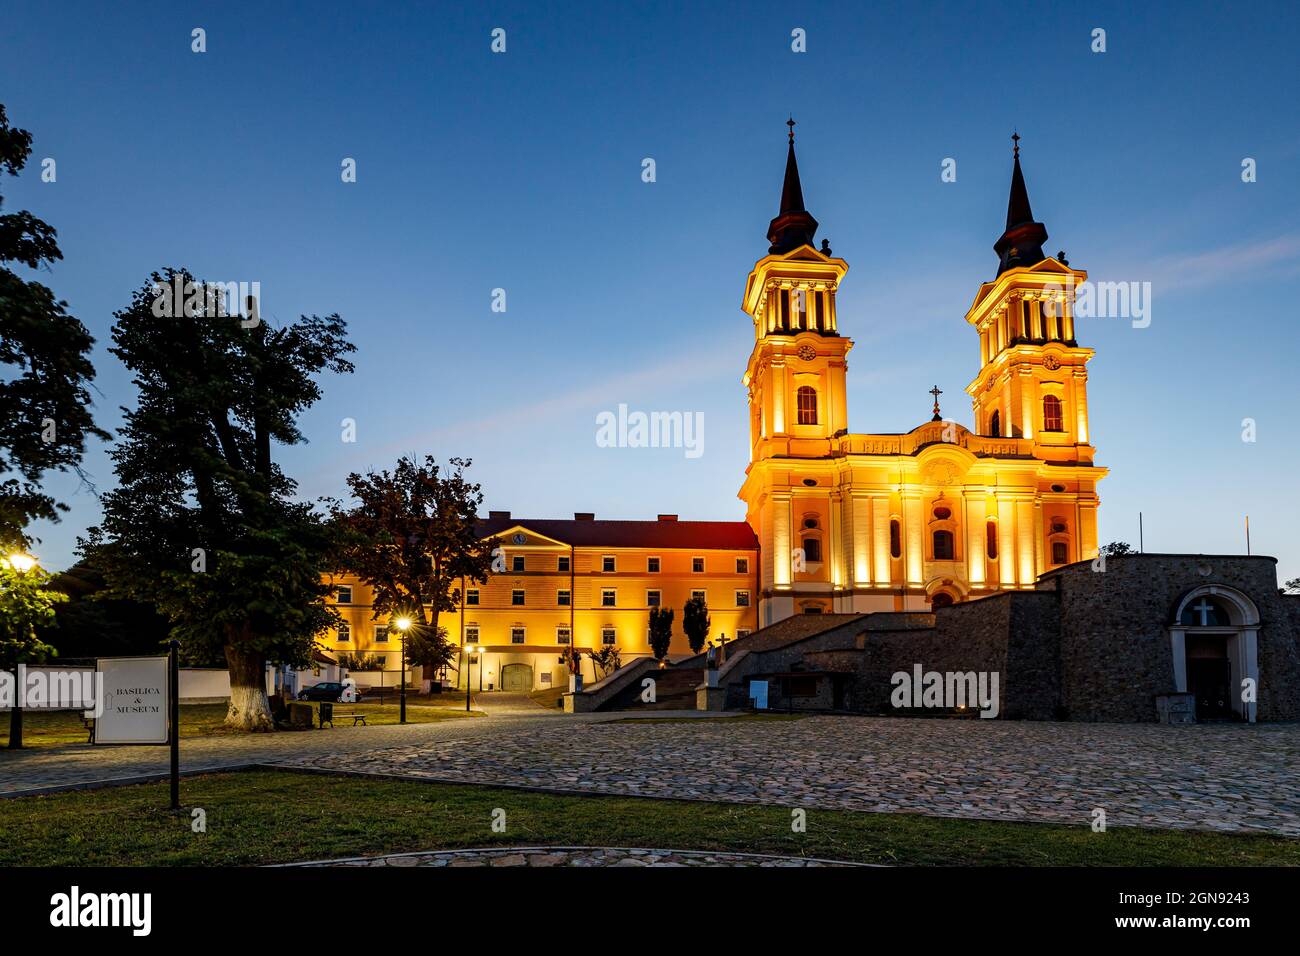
(61, 727)
(276, 816)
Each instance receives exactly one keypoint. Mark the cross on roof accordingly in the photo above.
(790, 123)
(1015, 140)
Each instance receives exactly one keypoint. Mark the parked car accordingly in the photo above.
(342, 693)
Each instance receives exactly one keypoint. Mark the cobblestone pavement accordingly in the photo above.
(546, 856)
(1227, 777)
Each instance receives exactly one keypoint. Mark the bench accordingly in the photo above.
(356, 719)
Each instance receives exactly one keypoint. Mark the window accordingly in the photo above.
(381, 660)
(812, 609)
(652, 598)
(381, 633)
(1051, 414)
(991, 540)
(652, 565)
(743, 632)
(345, 595)
(812, 549)
(742, 565)
(345, 632)
(806, 398)
(563, 635)
(943, 546)
(471, 596)
(1060, 552)
(699, 594)
(608, 597)
(562, 564)
(1204, 612)
(995, 425)
(517, 563)
(517, 598)
(471, 635)
(607, 564)
(697, 565)
(563, 598)
(607, 635)
(940, 599)
(895, 539)
(516, 635)
(742, 599)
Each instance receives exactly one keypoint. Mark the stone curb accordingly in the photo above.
(480, 851)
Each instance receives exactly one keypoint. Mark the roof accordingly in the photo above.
(664, 533)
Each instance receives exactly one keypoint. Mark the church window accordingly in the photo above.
(1052, 414)
(1060, 552)
(943, 546)
(1204, 612)
(942, 513)
(991, 543)
(1058, 526)
(941, 599)
(995, 425)
(807, 401)
(895, 539)
(812, 549)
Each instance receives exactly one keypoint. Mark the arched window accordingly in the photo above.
(1060, 552)
(995, 425)
(943, 546)
(895, 539)
(991, 540)
(940, 599)
(812, 549)
(1205, 612)
(807, 401)
(1052, 414)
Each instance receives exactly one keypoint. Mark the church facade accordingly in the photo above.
(836, 521)
(939, 514)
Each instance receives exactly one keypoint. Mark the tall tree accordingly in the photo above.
(695, 623)
(661, 631)
(26, 603)
(204, 524)
(45, 368)
(413, 538)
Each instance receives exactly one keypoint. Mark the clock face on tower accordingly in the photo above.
(1051, 363)
(807, 353)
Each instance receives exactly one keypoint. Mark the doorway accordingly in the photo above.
(1209, 676)
(517, 678)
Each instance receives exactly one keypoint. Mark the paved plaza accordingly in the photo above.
(584, 856)
(1224, 777)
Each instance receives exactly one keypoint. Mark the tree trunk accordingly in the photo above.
(249, 707)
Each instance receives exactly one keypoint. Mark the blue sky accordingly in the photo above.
(522, 171)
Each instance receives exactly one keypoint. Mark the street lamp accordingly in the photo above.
(21, 562)
(403, 624)
(470, 650)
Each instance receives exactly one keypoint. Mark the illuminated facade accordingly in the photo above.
(938, 514)
(835, 521)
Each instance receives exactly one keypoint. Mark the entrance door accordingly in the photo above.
(1209, 676)
(517, 677)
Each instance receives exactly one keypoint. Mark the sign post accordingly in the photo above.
(139, 705)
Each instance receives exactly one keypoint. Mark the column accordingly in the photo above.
(861, 522)
(1025, 540)
(975, 519)
(1006, 541)
(880, 538)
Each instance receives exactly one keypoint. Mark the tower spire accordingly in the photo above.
(793, 226)
(1022, 242)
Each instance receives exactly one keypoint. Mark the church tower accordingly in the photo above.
(939, 514)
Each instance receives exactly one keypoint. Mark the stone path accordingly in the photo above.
(550, 856)
(1228, 777)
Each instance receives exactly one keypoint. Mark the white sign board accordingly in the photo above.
(135, 700)
(758, 694)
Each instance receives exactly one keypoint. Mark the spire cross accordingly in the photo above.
(790, 123)
(1015, 140)
(936, 392)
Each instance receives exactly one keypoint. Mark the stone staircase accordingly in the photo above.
(674, 689)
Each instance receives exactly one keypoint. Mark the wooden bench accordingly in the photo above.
(356, 719)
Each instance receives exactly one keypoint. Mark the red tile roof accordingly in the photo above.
(702, 535)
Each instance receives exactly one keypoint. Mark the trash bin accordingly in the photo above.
(326, 713)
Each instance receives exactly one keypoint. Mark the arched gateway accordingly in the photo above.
(1214, 641)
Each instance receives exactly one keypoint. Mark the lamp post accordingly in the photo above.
(469, 651)
(22, 563)
(403, 624)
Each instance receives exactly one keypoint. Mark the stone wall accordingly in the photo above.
(1115, 649)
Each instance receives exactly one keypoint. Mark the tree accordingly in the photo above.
(695, 622)
(26, 602)
(413, 538)
(608, 658)
(423, 649)
(661, 631)
(204, 524)
(45, 368)
(1117, 547)
(1292, 586)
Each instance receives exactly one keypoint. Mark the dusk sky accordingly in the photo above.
(523, 171)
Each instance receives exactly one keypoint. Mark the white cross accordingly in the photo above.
(1205, 607)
